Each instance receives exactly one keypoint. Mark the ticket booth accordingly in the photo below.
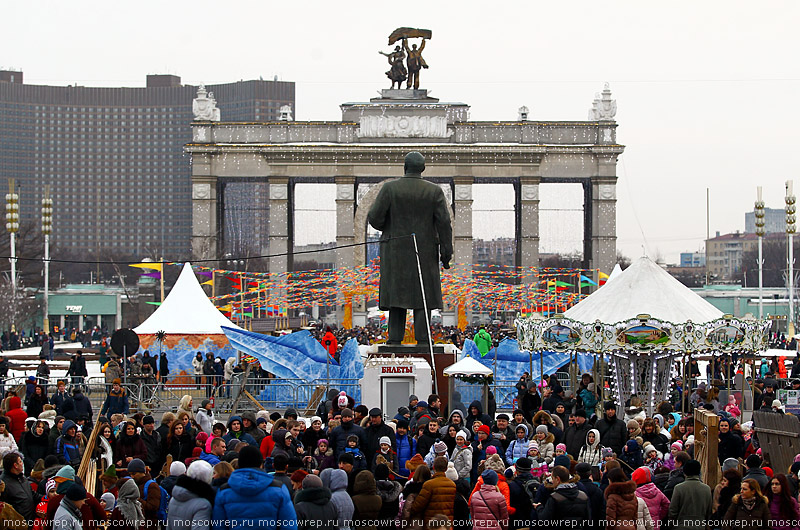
(389, 381)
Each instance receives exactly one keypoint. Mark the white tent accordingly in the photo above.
(643, 288)
(614, 273)
(186, 311)
(467, 366)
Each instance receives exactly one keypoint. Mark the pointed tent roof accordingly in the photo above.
(467, 366)
(186, 310)
(644, 287)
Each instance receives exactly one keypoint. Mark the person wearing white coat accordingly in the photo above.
(205, 417)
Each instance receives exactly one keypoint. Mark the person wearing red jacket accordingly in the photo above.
(329, 342)
(17, 417)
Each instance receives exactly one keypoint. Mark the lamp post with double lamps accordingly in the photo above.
(47, 229)
(12, 226)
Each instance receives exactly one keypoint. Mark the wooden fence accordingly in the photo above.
(779, 437)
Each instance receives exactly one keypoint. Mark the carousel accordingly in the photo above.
(643, 327)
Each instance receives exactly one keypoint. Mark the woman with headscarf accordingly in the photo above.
(35, 444)
(128, 512)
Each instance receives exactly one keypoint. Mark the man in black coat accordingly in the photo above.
(613, 432)
(556, 396)
(731, 444)
(596, 499)
(338, 441)
(531, 401)
(152, 442)
(676, 476)
(520, 499)
(567, 504)
(374, 432)
(77, 406)
(575, 434)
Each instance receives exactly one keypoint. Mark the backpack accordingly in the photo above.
(163, 503)
(531, 487)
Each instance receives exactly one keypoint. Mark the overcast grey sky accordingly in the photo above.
(706, 91)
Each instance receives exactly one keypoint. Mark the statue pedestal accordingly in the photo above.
(420, 95)
(404, 114)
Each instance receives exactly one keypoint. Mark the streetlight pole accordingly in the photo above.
(12, 226)
(790, 230)
(760, 223)
(47, 229)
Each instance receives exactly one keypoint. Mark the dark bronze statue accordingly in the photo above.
(415, 63)
(405, 206)
(397, 73)
(413, 56)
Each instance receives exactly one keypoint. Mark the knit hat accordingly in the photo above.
(730, 463)
(541, 429)
(109, 499)
(608, 405)
(632, 424)
(403, 411)
(323, 440)
(648, 447)
(422, 404)
(177, 469)
(533, 445)
(642, 475)
(463, 434)
(342, 400)
(136, 466)
(312, 481)
(439, 447)
(490, 477)
(347, 413)
(689, 440)
(299, 475)
(561, 447)
(66, 473)
(76, 492)
(50, 485)
(385, 440)
(605, 452)
(581, 413)
(110, 472)
(201, 470)
(250, 456)
(583, 469)
(768, 471)
(485, 429)
(632, 445)
(677, 445)
(451, 472)
(562, 460)
(491, 450)
(147, 420)
(523, 464)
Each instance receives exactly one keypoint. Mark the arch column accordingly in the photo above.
(604, 212)
(462, 240)
(279, 230)
(205, 221)
(527, 214)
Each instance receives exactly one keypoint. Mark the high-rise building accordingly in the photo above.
(114, 158)
(774, 218)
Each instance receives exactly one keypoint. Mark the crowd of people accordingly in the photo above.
(555, 460)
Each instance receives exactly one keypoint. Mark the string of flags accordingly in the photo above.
(522, 289)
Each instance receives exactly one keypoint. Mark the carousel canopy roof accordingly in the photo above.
(643, 288)
(467, 366)
(186, 310)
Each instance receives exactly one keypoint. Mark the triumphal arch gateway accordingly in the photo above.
(367, 147)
